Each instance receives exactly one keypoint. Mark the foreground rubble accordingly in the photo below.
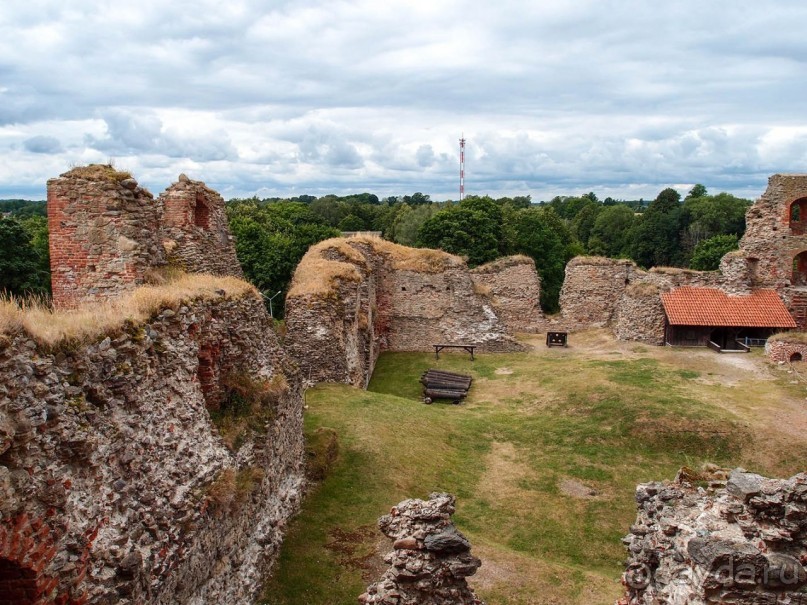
(430, 560)
(741, 541)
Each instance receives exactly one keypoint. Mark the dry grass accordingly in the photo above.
(799, 337)
(340, 258)
(642, 289)
(503, 263)
(601, 261)
(93, 321)
(98, 172)
(678, 271)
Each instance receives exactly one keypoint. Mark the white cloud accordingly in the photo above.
(554, 97)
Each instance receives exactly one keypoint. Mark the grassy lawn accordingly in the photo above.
(544, 457)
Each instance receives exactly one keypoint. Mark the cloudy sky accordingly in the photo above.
(284, 97)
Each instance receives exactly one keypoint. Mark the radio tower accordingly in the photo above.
(462, 167)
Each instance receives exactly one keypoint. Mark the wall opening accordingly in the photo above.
(17, 584)
(201, 213)
(795, 357)
(798, 216)
(800, 269)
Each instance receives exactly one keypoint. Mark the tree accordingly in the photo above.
(697, 191)
(707, 254)
(21, 270)
(610, 232)
(408, 221)
(352, 223)
(654, 237)
(463, 230)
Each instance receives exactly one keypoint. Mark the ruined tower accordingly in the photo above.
(775, 242)
(195, 230)
(104, 234)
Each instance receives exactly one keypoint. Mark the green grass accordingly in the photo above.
(607, 424)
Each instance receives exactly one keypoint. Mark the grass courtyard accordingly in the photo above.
(543, 456)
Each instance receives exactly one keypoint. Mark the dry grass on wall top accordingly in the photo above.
(600, 261)
(642, 288)
(795, 337)
(503, 263)
(98, 172)
(93, 321)
(678, 271)
(317, 273)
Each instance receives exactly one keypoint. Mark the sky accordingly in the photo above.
(282, 98)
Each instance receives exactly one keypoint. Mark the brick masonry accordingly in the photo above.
(783, 350)
(107, 233)
(514, 287)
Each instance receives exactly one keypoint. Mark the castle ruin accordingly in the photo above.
(759, 289)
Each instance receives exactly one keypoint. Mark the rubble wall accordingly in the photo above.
(103, 234)
(195, 224)
(107, 234)
(515, 290)
(116, 486)
(741, 541)
(783, 350)
(770, 241)
(352, 298)
(591, 289)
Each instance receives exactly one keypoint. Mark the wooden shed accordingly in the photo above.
(698, 317)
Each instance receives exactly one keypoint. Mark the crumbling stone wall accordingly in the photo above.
(104, 234)
(591, 289)
(639, 313)
(784, 350)
(743, 541)
(107, 233)
(115, 484)
(515, 290)
(430, 560)
(195, 229)
(353, 298)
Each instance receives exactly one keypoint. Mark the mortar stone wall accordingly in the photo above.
(103, 232)
(115, 485)
(783, 350)
(107, 233)
(515, 288)
(372, 296)
(591, 289)
(194, 225)
(741, 541)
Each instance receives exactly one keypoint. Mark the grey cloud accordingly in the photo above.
(43, 144)
(425, 156)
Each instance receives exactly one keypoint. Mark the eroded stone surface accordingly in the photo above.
(116, 487)
(743, 541)
(430, 560)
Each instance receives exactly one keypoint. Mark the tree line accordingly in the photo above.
(272, 234)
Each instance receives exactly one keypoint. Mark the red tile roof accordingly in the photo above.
(688, 306)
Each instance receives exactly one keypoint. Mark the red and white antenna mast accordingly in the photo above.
(462, 167)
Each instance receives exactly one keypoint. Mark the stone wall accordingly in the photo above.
(783, 350)
(591, 289)
(352, 298)
(515, 290)
(104, 234)
(194, 224)
(115, 484)
(741, 541)
(639, 314)
(107, 233)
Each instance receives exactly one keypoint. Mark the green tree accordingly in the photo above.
(707, 254)
(655, 236)
(21, 266)
(611, 230)
(697, 191)
(408, 221)
(465, 230)
(352, 223)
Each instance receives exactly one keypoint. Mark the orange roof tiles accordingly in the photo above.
(688, 306)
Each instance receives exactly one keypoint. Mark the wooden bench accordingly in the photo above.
(438, 348)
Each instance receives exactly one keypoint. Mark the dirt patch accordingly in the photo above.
(503, 371)
(576, 489)
(504, 469)
(360, 549)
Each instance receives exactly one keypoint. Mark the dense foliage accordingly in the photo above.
(273, 234)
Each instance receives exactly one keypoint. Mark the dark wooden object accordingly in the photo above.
(438, 348)
(439, 384)
(557, 339)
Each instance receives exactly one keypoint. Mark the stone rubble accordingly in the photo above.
(742, 540)
(431, 558)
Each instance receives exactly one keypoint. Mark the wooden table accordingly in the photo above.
(438, 348)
